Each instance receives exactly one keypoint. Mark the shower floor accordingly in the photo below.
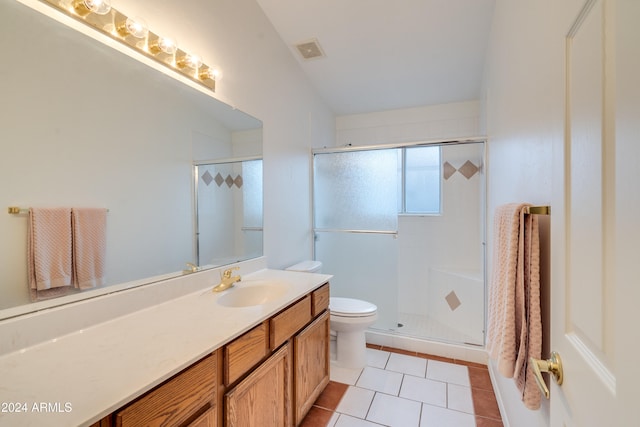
(422, 326)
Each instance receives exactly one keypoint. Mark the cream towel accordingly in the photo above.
(49, 252)
(89, 246)
(514, 326)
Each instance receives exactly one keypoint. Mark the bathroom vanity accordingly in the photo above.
(197, 360)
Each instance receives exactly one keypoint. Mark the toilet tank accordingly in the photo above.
(307, 267)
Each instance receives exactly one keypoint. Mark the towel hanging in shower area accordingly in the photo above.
(514, 331)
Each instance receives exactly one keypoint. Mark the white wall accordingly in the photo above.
(523, 108)
(455, 120)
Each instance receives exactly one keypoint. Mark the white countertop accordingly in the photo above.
(78, 378)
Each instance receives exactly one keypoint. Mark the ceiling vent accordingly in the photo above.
(310, 49)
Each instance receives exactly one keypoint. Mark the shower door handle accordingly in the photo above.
(552, 365)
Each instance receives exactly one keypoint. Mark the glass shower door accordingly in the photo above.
(355, 226)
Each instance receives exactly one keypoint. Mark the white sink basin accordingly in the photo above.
(250, 293)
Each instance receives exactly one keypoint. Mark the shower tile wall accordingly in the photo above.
(433, 246)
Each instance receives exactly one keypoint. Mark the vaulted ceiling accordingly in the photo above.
(381, 54)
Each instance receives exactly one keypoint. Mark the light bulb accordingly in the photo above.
(211, 73)
(135, 27)
(99, 7)
(190, 61)
(163, 44)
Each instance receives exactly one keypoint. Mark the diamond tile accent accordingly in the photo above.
(207, 178)
(238, 181)
(219, 179)
(452, 300)
(448, 170)
(229, 181)
(468, 169)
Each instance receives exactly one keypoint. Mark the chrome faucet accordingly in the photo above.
(227, 280)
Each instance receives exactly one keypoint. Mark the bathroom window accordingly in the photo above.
(419, 180)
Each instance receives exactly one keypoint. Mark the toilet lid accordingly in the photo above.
(350, 307)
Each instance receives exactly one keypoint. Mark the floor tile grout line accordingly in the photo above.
(446, 396)
(412, 400)
(387, 360)
(417, 401)
(370, 405)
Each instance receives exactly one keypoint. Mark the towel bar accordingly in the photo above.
(538, 210)
(14, 210)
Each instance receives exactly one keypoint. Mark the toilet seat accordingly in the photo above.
(349, 307)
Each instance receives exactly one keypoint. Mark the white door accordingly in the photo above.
(596, 221)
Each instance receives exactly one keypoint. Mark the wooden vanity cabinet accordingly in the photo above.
(187, 399)
(280, 391)
(268, 377)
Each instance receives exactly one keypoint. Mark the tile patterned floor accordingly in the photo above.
(405, 389)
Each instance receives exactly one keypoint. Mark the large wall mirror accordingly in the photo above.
(84, 125)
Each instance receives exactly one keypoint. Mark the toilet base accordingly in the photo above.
(351, 349)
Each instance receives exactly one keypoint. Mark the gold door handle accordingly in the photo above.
(552, 365)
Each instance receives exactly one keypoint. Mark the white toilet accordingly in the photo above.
(349, 319)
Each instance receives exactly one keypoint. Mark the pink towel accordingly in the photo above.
(49, 252)
(514, 326)
(89, 246)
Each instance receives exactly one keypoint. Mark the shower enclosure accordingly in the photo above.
(403, 228)
(228, 196)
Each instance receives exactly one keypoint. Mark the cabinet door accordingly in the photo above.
(208, 419)
(264, 397)
(311, 364)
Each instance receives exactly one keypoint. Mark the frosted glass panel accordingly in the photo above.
(251, 229)
(356, 190)
(365, 266)
(252, 193)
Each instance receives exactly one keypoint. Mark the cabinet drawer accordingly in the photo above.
(320, 300)
(173, 402)
(208, 419)
(245, 352)
(289, 321)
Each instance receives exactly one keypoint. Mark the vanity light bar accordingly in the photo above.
(134, 33)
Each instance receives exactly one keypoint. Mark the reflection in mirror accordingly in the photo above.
(84, 125)
(229, 210)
